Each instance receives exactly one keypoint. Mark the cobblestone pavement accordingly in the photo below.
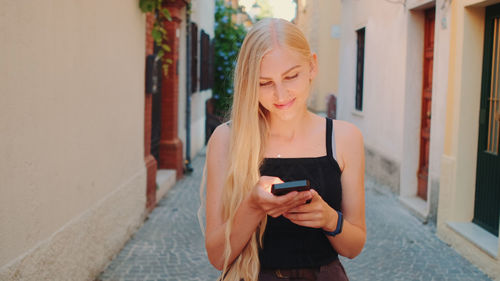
(170, 246)
(400, 247)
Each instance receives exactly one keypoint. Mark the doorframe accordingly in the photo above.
(424, 209)
(459, 159)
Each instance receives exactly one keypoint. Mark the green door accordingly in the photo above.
(487, 203)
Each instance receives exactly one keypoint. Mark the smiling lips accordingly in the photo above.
(284, 105)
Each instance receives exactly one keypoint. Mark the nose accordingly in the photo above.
(280, 92)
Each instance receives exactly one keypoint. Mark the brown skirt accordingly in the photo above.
(333, 271)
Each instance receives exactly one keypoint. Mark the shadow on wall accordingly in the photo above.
(383, 169)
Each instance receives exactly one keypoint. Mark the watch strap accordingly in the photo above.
(338, 229)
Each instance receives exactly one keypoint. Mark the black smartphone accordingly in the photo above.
(284, 188)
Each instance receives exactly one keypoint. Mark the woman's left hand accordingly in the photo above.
(317, 214)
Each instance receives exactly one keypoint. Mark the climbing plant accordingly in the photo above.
(228, 39)
(159, 34)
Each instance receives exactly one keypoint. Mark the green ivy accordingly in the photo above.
(159, 33)
(228, 39)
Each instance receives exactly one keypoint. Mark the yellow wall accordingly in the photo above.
(458, 177)
(318, 20)
(72, 174)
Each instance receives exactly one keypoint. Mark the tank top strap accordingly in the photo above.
(330, 139)
(329, 125)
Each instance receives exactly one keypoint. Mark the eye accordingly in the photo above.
(292, 77)
(266, 84)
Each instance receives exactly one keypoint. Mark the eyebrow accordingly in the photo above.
(290, 69)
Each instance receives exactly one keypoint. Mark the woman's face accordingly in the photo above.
(285, 79)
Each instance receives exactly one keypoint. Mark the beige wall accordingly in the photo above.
(203, 15)
(385, 59)
(392, 91)
(458, 176)
(320, 21)
(72, 174)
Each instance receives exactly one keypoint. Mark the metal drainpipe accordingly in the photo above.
(188, 168)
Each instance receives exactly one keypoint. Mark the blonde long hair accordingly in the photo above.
(249, 127)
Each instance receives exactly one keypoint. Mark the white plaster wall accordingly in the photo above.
(413, 102)
(72, 127)
(203, 15)
(383, 96)
(390, 119)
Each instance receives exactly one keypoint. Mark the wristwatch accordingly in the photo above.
(340, 222)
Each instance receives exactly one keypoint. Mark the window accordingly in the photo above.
(360, 68)
(205, 62)
(493, 101)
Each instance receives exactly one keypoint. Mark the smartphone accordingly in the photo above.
(284, 188)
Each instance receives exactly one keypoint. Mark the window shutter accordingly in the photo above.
(205, 61)
(194, 57)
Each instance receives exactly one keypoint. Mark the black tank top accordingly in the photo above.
(285, 244)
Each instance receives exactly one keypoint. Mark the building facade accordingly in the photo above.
(87, 149)
(175, 114)
(72, 174)
(320, 22)
(469, 198)
(420, 78)
(393, 78)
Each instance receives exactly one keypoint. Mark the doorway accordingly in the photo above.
(487, 196)
(425, 115)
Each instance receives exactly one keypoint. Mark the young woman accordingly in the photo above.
(271, 137)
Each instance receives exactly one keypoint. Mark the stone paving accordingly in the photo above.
(170, 246)
(400, 247)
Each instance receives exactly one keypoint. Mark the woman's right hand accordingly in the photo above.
(263, 200)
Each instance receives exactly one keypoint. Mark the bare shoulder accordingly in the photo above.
(220, 136)
(347, 132)
(349, 141)
(216, 168)
(219, 140)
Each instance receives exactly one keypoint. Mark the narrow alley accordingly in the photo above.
(170, 246)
